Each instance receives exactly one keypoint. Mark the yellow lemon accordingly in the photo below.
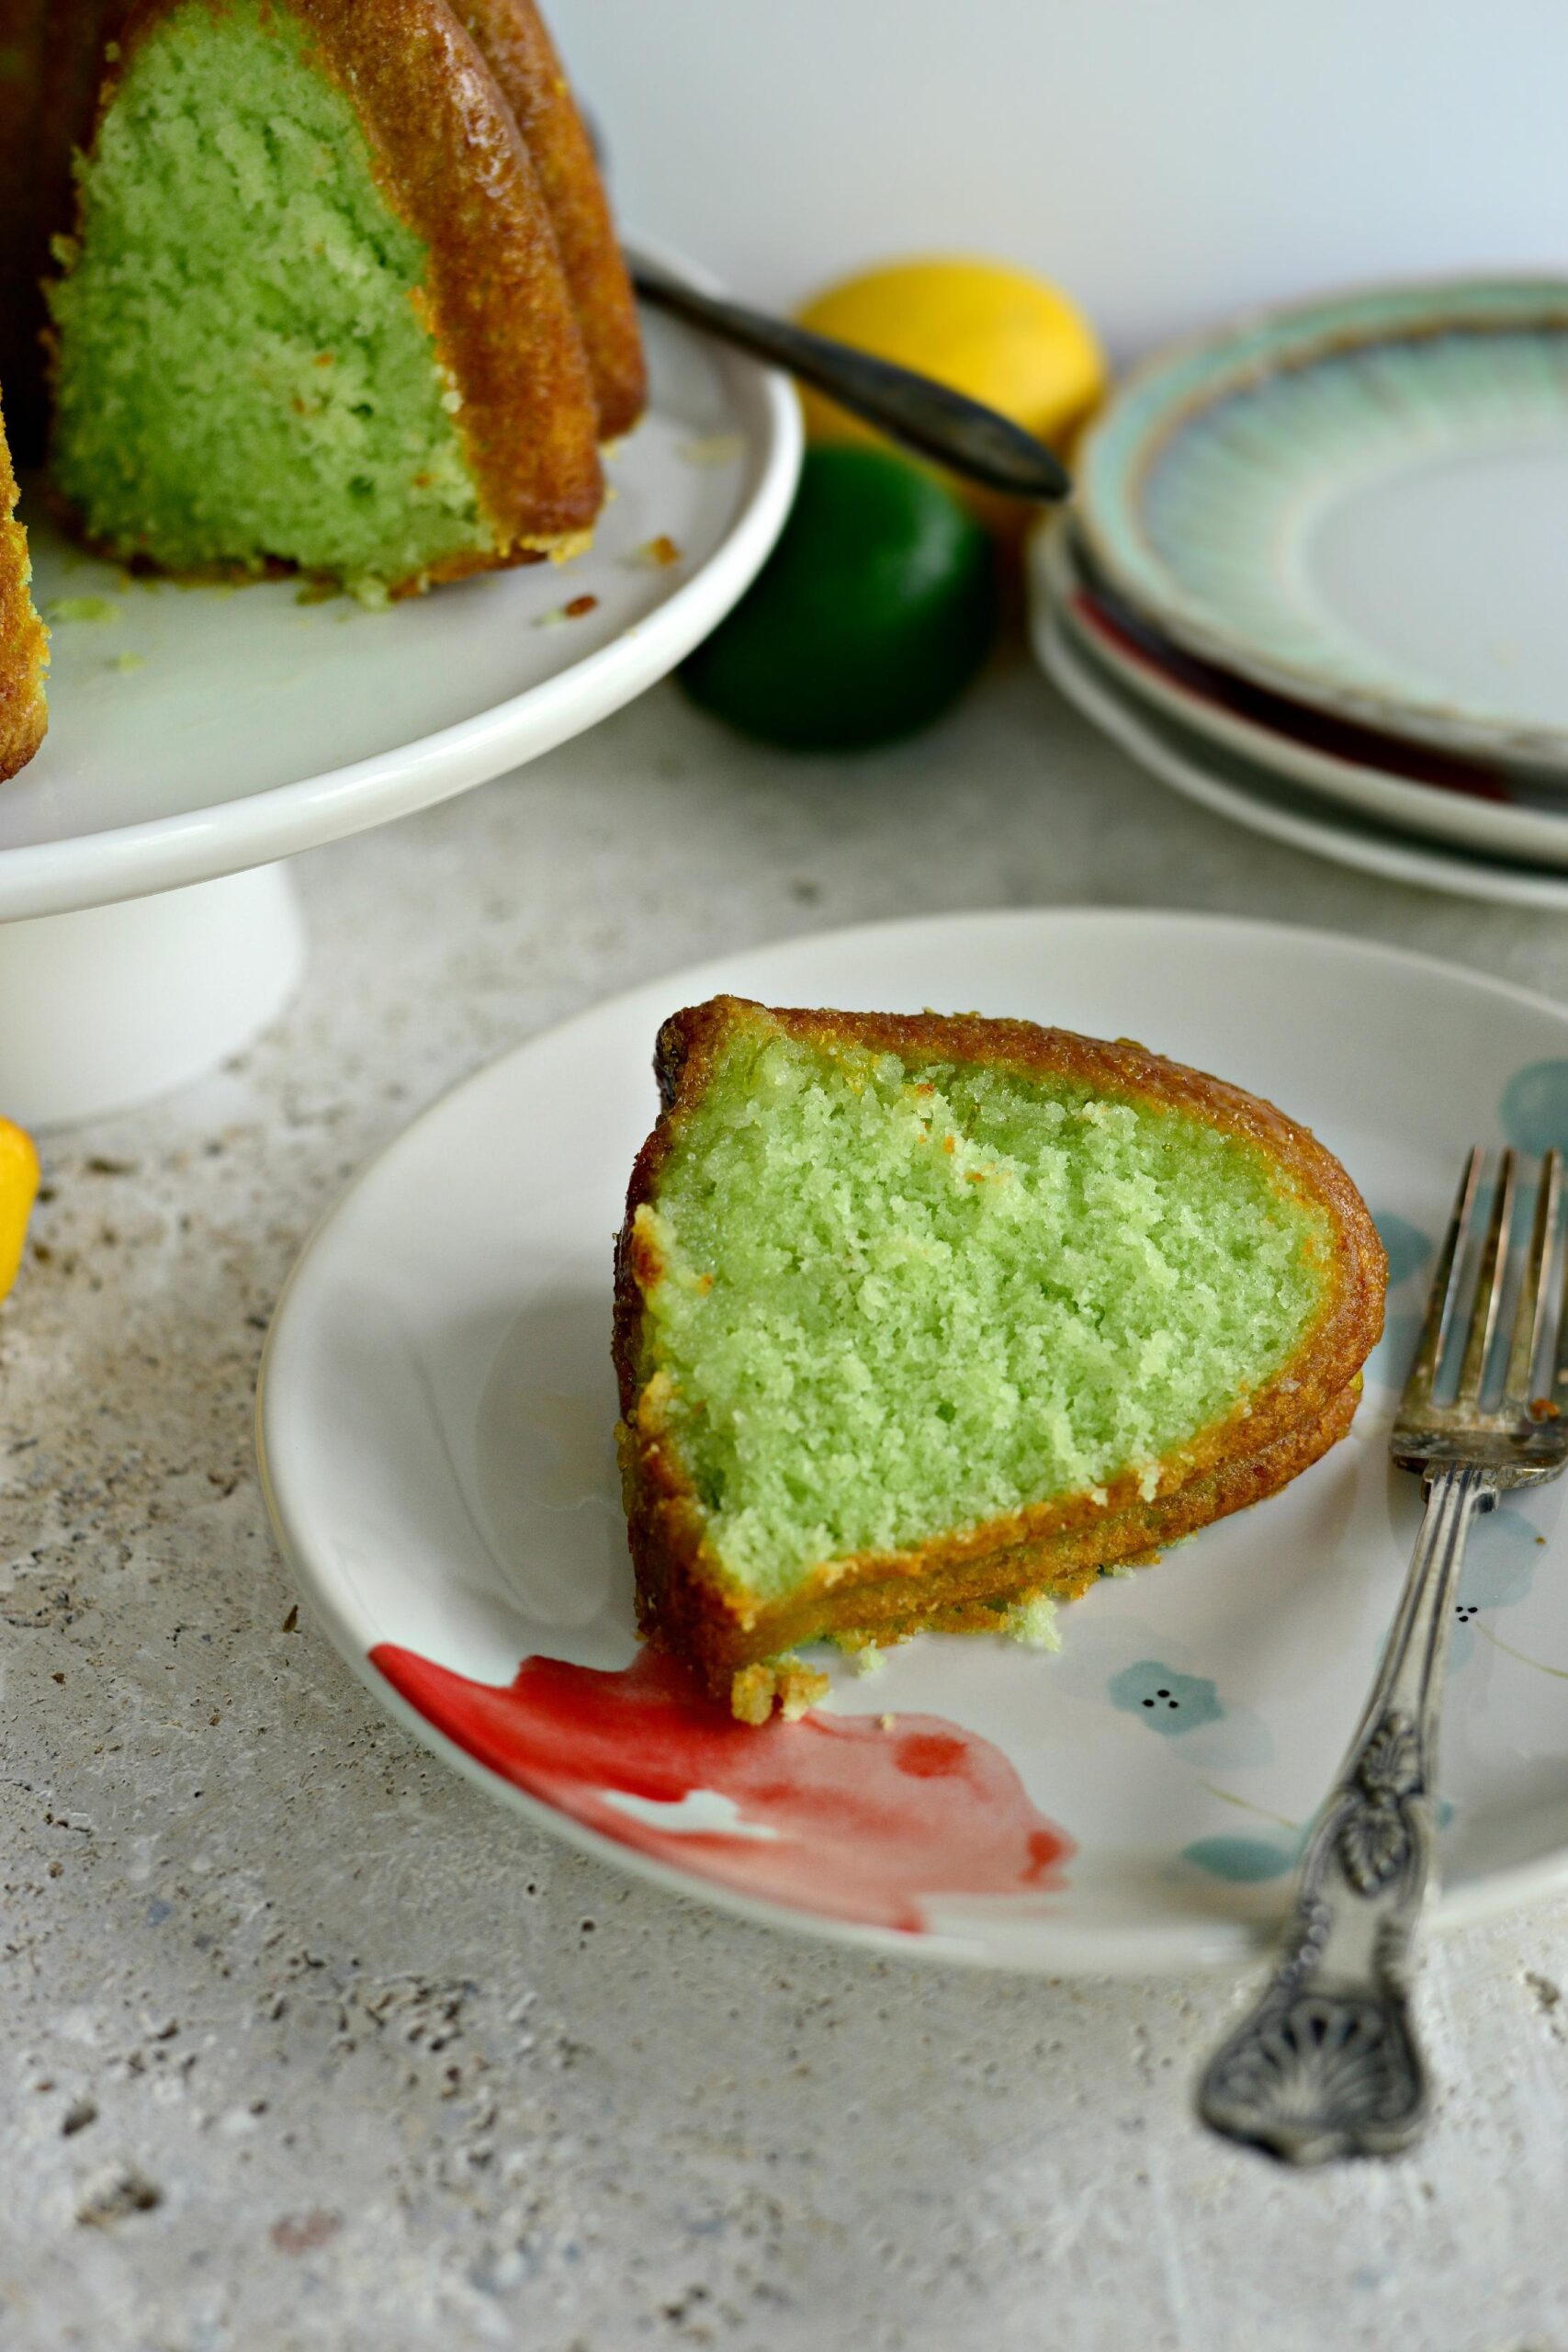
(998, 334)
(18, 1187)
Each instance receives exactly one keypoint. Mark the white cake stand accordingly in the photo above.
(198, 737)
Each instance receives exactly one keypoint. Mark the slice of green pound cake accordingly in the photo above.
(920, 1321)
(314, 313)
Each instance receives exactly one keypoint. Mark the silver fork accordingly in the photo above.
(1327, 2063)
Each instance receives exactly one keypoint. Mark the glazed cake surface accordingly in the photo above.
(516, 46)
(920, 1320)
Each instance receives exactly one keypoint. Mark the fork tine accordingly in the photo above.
(1488, 1286)
(1529, 1316)
(1441, 1296)
(1560, 1345)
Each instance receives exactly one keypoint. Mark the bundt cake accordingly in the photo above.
(23, 645)
(921, 1320)
(339, 290)
(315, 309)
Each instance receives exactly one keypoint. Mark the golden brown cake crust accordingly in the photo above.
(949, 1587)
(452, 162)
(516, 46)
(1057, 1546)
(24, 644)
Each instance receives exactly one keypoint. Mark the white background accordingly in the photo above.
(1167, 161)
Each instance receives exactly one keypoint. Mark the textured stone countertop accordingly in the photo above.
(305, 2042)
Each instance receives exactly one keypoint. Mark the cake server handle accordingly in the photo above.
(1327, 2063)
(926, 416)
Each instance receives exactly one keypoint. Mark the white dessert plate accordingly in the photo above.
(1363, 502)
(1250, 795)
(435, 1418)
(196, 732)
(1498, 812)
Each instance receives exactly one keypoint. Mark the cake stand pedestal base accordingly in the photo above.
(110, 1006)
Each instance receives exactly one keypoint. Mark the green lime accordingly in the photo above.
(873, 613)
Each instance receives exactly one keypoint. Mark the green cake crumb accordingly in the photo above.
(243, 370)
(125, 663)
(902, 1298)
(1032, 1623)
(713, 450)
(84, 608)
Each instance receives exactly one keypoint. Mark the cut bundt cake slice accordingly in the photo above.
(314, 312)
(518, 49)
(919, 1319)
(24, 646)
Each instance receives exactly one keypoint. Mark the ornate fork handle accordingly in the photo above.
(1327, 2063)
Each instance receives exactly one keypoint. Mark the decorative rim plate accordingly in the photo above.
(1220, 780)
(436, 1415)
(1493, 811)
(197, 731)
(1360, 503)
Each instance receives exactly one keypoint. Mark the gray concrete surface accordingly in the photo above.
(307, 2044)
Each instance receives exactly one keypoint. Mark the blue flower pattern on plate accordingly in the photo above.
(1170, 1703)
(1409, 1250)
(1534, 1109)
(1500, 1561)
(1244, 1861)
(1188, 1707)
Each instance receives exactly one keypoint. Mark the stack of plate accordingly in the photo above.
(1316, 578)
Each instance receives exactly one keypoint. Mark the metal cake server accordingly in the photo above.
(926, 416)
(1327, 2063)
